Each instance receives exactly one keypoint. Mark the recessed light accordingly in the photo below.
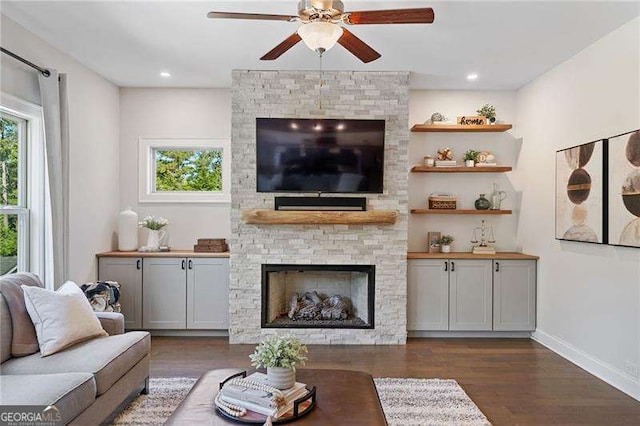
(317, 127)
(294, 126)
(165, 74)
(472, 76)
(340, 126)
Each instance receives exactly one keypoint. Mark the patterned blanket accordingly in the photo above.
(103, 295)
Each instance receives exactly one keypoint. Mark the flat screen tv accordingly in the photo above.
(308, 155)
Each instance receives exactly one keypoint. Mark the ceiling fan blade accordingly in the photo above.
(255, 16)
(397, 16)
(277, 51)
(357, 47)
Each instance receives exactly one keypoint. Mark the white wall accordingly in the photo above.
(93, 134)
(173, 113)
(467, 187)
(588, 295)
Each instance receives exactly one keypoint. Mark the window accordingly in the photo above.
(24, 223)
(184, 170)
(14, 214)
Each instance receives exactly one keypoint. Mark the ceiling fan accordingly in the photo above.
(320, 29)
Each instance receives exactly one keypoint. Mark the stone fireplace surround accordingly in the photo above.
(348, 95)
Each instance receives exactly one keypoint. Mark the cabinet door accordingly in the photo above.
(127, 271)
(427, 295)
(470, 295)
(164, 290)
(514, 295)
(208, 294)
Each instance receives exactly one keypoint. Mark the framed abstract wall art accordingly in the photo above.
(580, 193)
(624, 189)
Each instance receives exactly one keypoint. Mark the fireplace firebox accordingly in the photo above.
(318, 296)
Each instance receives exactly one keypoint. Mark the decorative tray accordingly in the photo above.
(301, 407)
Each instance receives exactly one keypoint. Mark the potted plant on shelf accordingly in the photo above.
(156, 234)
(470, 158)
(280, 355)
(488, 111)
(445, 243)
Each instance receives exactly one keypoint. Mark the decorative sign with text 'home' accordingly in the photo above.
(471, 120)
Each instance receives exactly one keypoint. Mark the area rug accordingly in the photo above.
(404, 401)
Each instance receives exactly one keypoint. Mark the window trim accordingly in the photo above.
(32, 193)
(146, 170)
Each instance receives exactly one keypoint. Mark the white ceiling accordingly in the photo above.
(507, 43)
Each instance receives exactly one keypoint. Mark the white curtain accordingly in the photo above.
(53, 93)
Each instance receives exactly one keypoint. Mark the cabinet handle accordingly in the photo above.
(453, 266)
(190, 264)
(497, 266)
(184, 264)
(138, 264)
(446, 266)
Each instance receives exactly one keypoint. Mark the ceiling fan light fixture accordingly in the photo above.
(320, 36)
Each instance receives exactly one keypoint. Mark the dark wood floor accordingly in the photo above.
(513, 381)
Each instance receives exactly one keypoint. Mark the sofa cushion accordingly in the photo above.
(61, 318)
(24, 341)
(6, 334)
(107, 358)
(71, 393)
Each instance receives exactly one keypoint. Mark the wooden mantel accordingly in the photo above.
(319, 217)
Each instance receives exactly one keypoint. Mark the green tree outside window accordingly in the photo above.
(9, 145)
(188, 170)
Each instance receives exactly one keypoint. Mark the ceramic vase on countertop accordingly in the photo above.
(445, 249)
(128, 230)
(154, 239)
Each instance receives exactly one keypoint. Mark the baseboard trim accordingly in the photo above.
(471, 334)
(602, 370)
(189, 333)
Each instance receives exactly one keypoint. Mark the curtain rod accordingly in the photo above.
(43, 71)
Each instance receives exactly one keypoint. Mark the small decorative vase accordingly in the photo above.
(469, 163)
(492, 120)
(445, 249)
(155, 238)
(482, 203)
(281, 378)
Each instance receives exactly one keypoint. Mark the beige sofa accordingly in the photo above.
(86, 382)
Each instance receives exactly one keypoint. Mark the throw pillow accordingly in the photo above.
(61, 318)
(24, 341)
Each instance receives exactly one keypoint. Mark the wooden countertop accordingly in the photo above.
(467, 255)
(172, 253)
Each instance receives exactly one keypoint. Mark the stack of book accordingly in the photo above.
(211, 245)
(486, 164)
(259, 401)
(446, 163)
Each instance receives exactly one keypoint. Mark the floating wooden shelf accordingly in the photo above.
(461, 169)
(460, 211)
(172, 253)
(447, 128)
(319, 217)
(467, 255)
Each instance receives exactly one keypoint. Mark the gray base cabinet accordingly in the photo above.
(128, 273)
(470, 301)
(428, 295)
(208, 294)
(164, 293)
(514, 295)
(171, 293)
(471, 295)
